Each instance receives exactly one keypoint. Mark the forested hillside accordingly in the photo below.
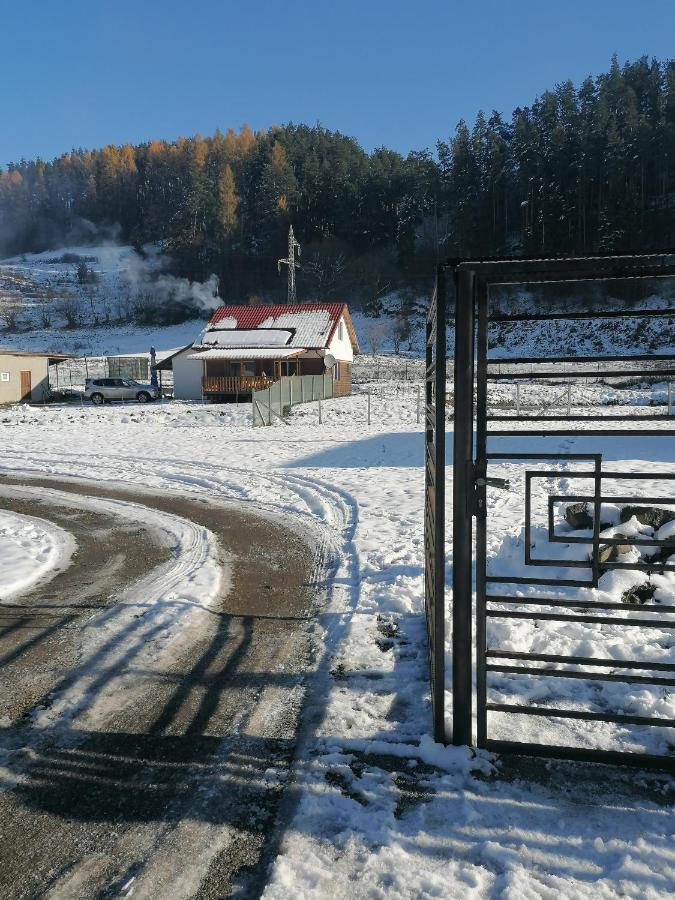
(582, 169)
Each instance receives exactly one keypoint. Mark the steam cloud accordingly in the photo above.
(145, 277)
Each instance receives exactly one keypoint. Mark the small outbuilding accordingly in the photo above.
(24, 376)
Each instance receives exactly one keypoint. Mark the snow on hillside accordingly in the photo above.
(52, 306)
(104, 340)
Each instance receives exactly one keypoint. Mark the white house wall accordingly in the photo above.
(341, 348)
(187, 376)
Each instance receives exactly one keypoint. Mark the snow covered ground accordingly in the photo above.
(381, 810)
(31, 550)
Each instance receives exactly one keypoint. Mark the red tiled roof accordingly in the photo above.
(254, 316)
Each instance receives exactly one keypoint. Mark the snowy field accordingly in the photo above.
(382, 811)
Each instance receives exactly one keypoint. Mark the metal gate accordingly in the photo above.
(543, 580)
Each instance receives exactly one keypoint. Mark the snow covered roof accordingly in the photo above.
(249, 353)
(312, 324)
(254, 337)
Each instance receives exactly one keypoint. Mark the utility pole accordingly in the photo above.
(291, 263)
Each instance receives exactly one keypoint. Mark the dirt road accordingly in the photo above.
(177, 792)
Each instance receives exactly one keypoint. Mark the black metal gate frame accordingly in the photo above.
(473, 282)
(434, 501)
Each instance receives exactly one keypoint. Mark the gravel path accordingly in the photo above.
(177, 792)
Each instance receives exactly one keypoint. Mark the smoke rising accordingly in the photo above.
(159, 297)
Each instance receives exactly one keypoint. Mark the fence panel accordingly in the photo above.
(274, 403)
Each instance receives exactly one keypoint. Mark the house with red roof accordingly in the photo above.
(248, 348)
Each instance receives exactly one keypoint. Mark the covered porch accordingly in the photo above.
(235, 372)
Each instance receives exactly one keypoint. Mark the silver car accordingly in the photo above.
(101, 390)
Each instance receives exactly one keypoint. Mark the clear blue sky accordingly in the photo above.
(82, 73)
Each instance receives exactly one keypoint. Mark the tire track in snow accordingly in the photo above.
(143, 621)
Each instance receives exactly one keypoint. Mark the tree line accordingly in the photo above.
(583, 169)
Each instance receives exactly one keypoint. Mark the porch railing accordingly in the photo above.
(226, 384)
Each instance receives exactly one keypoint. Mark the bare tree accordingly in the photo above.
(45, 317)
(325, 273)
(11, 308)
(377, 334)
(70, 310)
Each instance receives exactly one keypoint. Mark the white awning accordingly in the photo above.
(248, 353)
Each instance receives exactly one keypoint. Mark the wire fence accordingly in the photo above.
(545, 396)
(368, 368)
(71, 374)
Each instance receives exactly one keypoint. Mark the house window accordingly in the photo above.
(4, 376)
(336, 372)
(248, 369)
(341, 330)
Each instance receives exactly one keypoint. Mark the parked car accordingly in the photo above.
(101, 390)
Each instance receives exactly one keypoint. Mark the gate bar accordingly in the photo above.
(462, 523)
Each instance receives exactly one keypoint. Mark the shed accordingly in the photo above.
(187, 377)
(24, 375)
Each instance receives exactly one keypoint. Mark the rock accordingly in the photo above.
(640, 593)
(648, 515)
(577, 516)
(610, 553)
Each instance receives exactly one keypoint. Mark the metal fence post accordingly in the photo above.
(269, 405)
(320, 420)
(462, 514)
(670, 398)
(368, 398)
(569, 399)
(417, 412)
(517, 398)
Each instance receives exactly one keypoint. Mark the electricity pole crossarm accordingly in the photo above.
(291, 263)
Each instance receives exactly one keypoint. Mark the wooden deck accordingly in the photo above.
(224, 384)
